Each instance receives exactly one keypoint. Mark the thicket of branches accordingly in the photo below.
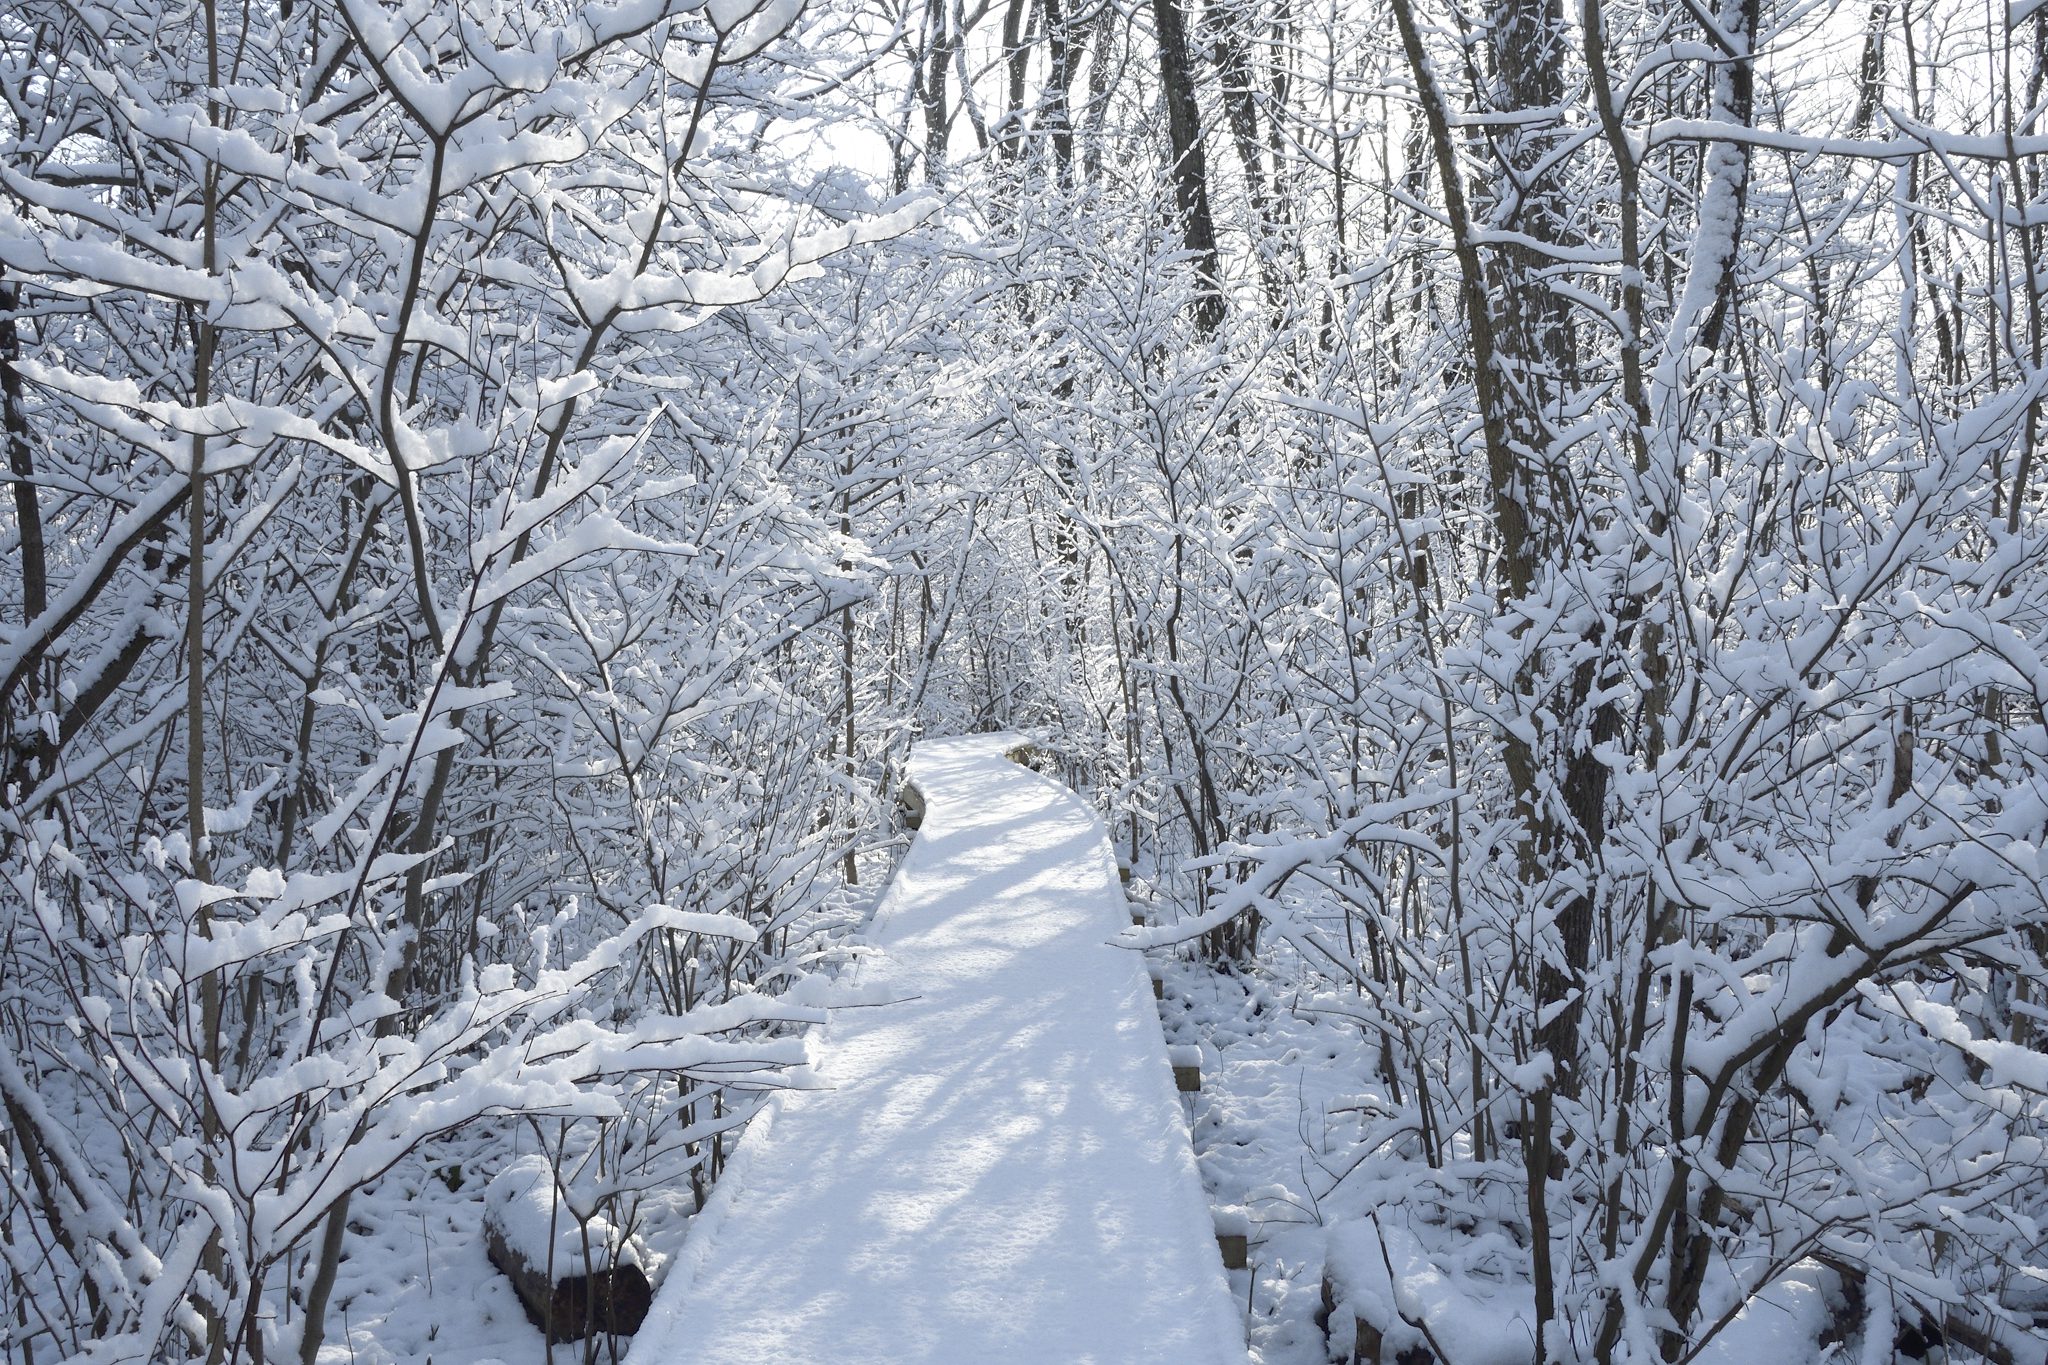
(418, 703)
(1532, 516)
(1538, 513)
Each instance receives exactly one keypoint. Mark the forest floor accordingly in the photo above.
(1293, 1127)
(1277, 1123)
(1278, 1131)
(999, 1168)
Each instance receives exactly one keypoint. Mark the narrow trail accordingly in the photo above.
(999, 1170)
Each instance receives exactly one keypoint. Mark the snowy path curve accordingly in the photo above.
(1000, 1170)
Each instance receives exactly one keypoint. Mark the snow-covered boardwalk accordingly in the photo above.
(1000, 1170)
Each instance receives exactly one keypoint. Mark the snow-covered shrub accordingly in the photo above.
(394, 733)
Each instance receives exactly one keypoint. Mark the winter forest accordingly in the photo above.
(1526, 520)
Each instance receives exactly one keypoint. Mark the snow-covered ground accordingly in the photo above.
(416, 1287)
(1281, 1130)
(1000, 1169)
(1277, 1122)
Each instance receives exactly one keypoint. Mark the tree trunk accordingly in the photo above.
(1190, 163)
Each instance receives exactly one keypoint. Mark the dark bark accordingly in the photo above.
(1096, 113)
(1190, 163)
(35, 592)
(37, 757)
(613, 1300)
(1016, 70)
(1735, 100)
(932, 92)
(1241, 105)
(1056, 120)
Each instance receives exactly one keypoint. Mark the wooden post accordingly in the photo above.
(1187, 1066)
(1366, 1343)
(912, 802)
(1233, 1238)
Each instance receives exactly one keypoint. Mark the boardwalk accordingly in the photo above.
(1000, 1171)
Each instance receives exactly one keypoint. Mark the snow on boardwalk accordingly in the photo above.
(1000, 1170)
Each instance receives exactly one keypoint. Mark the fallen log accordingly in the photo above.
(1922, 1332)
(539, 1243)
(1361, 1312)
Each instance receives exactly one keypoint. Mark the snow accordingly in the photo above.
(1781, 1323)
(418, 1288)
(1475, 1321)
(1000, 1169)
(547, 1230)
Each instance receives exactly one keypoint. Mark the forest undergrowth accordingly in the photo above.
(1527, 520)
